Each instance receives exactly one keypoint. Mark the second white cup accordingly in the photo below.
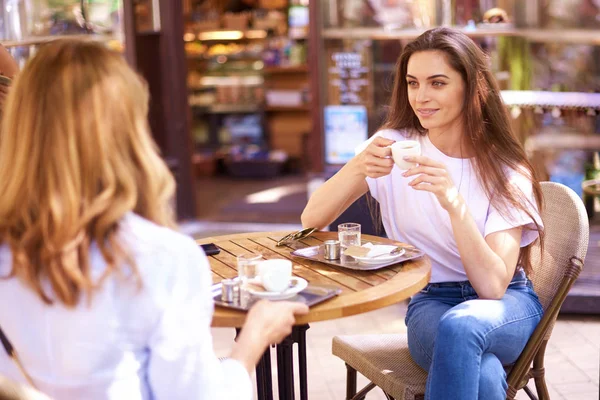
(275, 274)
(405, 148)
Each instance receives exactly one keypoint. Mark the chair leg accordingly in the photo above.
(350, 382)
(351, 393)
(387, 396)
(363, 392)
(538, 373)
(531, 395)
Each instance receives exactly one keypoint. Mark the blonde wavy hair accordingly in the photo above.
(76, 156)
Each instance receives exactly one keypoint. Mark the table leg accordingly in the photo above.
(285, 368)
(264, 380)
(300, 338)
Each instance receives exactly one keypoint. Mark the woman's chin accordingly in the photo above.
(427, 124)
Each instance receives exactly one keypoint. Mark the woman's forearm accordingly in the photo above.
(485, 269)
(334, 196)
(248, 349)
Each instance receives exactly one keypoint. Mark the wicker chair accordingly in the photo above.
(11, 390)
(386, 361)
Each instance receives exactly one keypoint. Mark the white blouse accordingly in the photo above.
(151, 342)
(416, 217)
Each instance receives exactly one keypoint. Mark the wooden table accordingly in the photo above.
(362, 291)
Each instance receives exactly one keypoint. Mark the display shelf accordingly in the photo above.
(230, 35)
(286, 70)
(581, 36)
(300, 108)
(230, 57)
(230, 108)
(564, 100)
(37, 40)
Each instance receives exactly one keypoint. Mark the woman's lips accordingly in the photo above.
(426, 112)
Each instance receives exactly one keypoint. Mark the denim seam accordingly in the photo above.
(423, 349)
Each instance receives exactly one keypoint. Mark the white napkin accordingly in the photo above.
(378, 249)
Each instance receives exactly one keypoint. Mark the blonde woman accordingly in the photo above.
(101, 299)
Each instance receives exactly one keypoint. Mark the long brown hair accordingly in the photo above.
(75, 157)
(486, 122)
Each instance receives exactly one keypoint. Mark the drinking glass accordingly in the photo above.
(246, 266)
(349, 234)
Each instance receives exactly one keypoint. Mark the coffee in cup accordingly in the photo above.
(405, 148)
(275, 274)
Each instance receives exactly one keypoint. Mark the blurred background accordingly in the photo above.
(256, 102)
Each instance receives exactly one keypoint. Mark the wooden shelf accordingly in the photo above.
(229, 35)
(301, 108)
(37, 40)
(230, 57)
(581, 36)
(296, 69)
(230, 108)
(563, 100)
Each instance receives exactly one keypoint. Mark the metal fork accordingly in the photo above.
(397, 250)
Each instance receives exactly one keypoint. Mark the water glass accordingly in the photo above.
(246, 266)
(349, 234)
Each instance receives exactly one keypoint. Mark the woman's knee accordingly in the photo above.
(457, 326)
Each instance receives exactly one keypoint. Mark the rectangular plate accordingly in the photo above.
(315, 253)
(313, 294)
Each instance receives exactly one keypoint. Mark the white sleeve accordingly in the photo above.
(182, 363)
(497, 222)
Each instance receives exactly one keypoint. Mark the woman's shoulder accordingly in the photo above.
(161, 254)
(519, 176)
(144, 236)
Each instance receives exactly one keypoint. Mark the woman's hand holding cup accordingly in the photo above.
(405, 148)
(433, 176)
(375, 161)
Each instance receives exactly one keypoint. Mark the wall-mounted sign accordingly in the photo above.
(349, 77)
(345, 129)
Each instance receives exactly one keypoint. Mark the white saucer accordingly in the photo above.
(297, 285)
(380, 259)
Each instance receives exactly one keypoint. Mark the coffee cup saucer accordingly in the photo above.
(297, 285)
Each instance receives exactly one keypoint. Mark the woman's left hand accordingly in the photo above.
(434, 177)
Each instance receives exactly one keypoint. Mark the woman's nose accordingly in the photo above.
(422, 94)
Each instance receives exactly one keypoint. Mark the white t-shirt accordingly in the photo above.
(152, 343)
(416, 217)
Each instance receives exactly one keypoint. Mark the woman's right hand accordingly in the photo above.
(267, 323)
(274, 320)
(375, 161)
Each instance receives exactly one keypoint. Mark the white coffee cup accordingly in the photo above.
(275, 274)
(405, 148)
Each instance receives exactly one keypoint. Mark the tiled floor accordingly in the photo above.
(572, 356)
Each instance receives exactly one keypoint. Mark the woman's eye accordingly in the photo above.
(412, 83)
(438, 83)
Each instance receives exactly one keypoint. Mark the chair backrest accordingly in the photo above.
(554, 272)
(567, 232)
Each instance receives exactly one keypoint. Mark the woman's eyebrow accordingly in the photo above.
(429, 78)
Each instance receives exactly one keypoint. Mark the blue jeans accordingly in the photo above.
(464, 342)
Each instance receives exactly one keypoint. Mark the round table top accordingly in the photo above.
(362, 291)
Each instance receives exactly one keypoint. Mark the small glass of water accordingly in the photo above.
(246, 266)
(349, 234)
